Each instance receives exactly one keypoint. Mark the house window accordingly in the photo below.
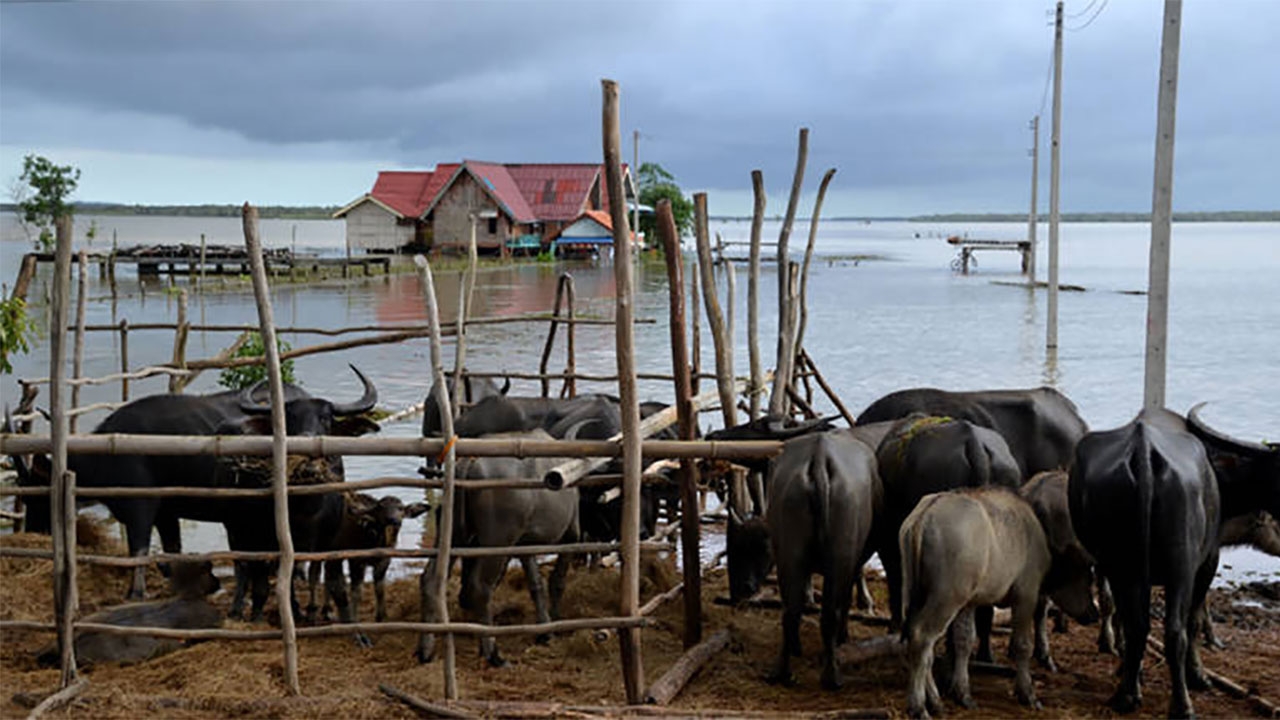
(493, 225)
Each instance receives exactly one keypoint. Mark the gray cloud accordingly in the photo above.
(922, 98)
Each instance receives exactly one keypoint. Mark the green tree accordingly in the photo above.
(52, 186)
(239, 378)
(655, 184)
(16, 329)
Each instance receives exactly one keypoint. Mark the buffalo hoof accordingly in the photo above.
(1178, 710)
(543, 639)
(1125, 702)
(1197, 681)
(424, 656)
(965, 701)
(1046, 662)
(984, 654)
(496, 661)
(919, 713)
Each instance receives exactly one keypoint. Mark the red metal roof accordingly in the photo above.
(403, 191)
(555, 191)
(503, 188)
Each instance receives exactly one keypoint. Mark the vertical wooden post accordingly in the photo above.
(724, 357)
(1162, 211)
(551, 338)
(439, 565)
(730, 300)
(778, 403)
(279, 473)
(1055, 169)
(465, 287)
(62, 512)
(111, 261)
(571, 361)
(1032, 220)
(77, 369)
(629, 407)
(695, 302)
(753, 294)
(124, 358)
(808, 256)
(202, 256)
(690, 526)
(180, 344)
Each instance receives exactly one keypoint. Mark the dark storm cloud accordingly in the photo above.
(921, 96)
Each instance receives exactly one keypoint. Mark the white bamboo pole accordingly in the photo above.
(78, 368)
(62, 494)
(279, 473)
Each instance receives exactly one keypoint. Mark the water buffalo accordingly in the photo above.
(824, 493)
(1040, 425)
(1146, 505)
(966, 549)
(224, 413)
(474, 390)
(922, 455)
(498, 518)
(188, 610)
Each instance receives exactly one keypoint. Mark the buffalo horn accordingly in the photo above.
(506, 386)
(734, 517)
(366, 401)
(1204, 431)
(248, 405)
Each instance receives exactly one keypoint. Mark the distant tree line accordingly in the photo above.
(291, 212)
(1209, 216)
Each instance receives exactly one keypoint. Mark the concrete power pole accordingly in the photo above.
(1031, 217)
(635, 168)
(1055, 169)
(1162, 210)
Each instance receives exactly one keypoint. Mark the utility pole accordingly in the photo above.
(635, 168)
(1162, 210)
(1031, 217)
(1055, 170)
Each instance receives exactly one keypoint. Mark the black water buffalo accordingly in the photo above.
(504, 517)
(922, 455)
(224, 413)
(971, 548)
(1040, 425)
(474, 390)
(824, 493)
(188, 610)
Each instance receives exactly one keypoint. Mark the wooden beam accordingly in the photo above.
(665, 688)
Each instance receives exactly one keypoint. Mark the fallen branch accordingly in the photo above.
(876, 647)
(427, 709)
(677, 677)
(60, 698)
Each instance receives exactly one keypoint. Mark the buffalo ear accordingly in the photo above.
(354, 426)
(413, 510)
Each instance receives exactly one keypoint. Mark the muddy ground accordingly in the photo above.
(339, 679)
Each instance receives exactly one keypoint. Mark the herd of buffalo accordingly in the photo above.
(971, 500)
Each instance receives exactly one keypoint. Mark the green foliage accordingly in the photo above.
(52, 184)
(16, 330)
(239, 378)
(655, 184)
(546, 256)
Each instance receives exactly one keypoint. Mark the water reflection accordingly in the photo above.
(1050, 375)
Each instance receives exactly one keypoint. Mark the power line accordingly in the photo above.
(1083, 12)
(1089, 22)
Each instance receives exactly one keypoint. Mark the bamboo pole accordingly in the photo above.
(695, 302)
(180, 343)
(279, 472)
(78, 361)
(628, 406)
(690, 531)
(808, 256)
(665, 688)
(753, 295)
(724, 358)
(444, 529)
(62, 493)
(551, 338)
(124, 359)
(822, 383)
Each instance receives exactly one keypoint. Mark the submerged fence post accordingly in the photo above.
(180, 333)
(690, 525)
(124, 359)
(77, 369)
(551, 338)
(61, 493)
(279, 472)
(629, 407)
(444, 531)
(571, 363)
(465, 286)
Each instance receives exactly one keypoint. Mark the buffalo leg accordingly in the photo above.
(1133, 605)
(1109, 642)
(793, 590)
(314, 568)
(892, 562)
(921, 632)
(170, 538)
(1177, 598)
(1024, 618)
(538, 594)
(355, 572)
(984, 616)
(380, 588)
(138, 534)
(1042, 653)
(1196, 678)
(477, 590)
(963, 639)
(837, 596)
(556, 584)
(428, 592)
(335, 584)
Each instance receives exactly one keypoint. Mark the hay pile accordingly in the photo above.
(255, 472)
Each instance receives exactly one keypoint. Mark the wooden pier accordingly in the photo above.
(218, 260)
(969, 246)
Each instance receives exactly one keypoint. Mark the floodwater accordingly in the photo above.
(899, 318)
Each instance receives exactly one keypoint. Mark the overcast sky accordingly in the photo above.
(922, 106)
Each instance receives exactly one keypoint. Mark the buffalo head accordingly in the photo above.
(750, 555)
(313, 416)
(1248, 472)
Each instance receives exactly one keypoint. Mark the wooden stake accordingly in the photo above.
(690, 529)
(665, 689)
(78, 362)
(753, 295)
(629, 407)
(695, 319)
(571, 364)
(180, 343)
(551, 336)
(1055, 171)
(724, 356)
(786, 343)
(279, 472)
(784, 259)
(808, 256)
(465, 287)
(62, 496)
(439, 566)
(124, 359)
(429, 709)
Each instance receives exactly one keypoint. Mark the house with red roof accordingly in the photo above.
(518, 206)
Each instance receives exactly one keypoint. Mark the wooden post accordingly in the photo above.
(279, 473)
(444, 530)
(551, 338)
(1032, 220)
(465, 286)
(62, 493)
(808, 256)
(25, 274)
(629, 407)
(730, 300)
(822, 383)
(787, 322)
(180, 334)
(695, 302)
(1055, 170)
(77, 370)
(724, 356)
(690, 527)
(1162, 211)
(202, 256)
(571, 362)
(124, 359)
(753, 294)
(784, 235)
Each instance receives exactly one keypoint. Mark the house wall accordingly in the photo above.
(370, 227)
(451, 223)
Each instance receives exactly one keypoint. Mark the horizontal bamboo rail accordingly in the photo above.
(541, 317)
(342, 629)
(326, 445)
